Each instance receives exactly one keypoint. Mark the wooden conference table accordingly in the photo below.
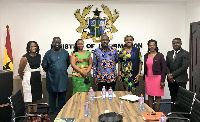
(74, 108)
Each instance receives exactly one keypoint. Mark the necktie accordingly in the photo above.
(175, 54)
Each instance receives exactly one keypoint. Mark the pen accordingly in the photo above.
(152, 114)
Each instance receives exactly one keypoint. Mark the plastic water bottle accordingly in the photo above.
(103, 92)
(162, 118)
(91, 94)
(141, 102)
(110, 94)
(121, 107)
(87, 108)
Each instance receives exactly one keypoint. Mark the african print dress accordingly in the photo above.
(130, 66)
(31, 83)
(82, 61)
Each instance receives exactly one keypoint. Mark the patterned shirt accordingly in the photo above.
(104, 64)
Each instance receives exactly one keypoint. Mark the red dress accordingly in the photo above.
(152, 82)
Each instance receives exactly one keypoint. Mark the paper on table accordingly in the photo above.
(130, 97)
(143, 117)
(106, 111)
(64, 120)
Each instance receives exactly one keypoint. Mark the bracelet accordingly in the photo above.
(138, 74)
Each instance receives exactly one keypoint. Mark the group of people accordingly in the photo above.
(57, 60)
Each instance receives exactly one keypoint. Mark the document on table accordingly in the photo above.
(64, 120)
(130, 97)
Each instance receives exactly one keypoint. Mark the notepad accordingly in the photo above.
(155, 116)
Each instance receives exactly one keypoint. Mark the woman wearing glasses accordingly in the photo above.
(130, 65)
(154, 74)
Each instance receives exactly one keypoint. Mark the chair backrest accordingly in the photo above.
(195, 113)
(184, 100)
(17, 103)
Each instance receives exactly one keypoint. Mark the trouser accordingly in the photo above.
(52, 101)
(107, 85)
(173, 88)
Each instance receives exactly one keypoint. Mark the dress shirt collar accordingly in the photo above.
(178, 50)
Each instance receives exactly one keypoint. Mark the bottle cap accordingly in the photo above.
(110, 87)
(86, 100)
(90, 87)
(141, 95)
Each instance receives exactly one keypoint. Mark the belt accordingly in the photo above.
(32, 70)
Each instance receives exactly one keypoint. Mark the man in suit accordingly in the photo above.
(177, 63)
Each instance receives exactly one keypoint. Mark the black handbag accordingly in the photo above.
(86, 81)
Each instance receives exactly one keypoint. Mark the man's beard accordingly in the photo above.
(56, 48)
(177, 48)
(104, 45)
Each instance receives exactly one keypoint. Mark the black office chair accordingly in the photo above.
(184, 100)
(18, 106)
(194, 115)
(183, 103)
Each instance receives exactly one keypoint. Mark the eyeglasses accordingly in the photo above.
(152, 45)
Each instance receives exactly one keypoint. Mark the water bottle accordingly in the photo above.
(162, 118)
(110, 94)
(87, 108)
(91, 94)
(103, 92)
(121, 107)
(141, 102)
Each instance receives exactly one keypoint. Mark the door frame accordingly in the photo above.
(191, 55)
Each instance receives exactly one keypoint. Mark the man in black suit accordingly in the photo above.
(177, 63)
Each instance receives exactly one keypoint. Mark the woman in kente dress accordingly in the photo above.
(81, 63)
(130, 65)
